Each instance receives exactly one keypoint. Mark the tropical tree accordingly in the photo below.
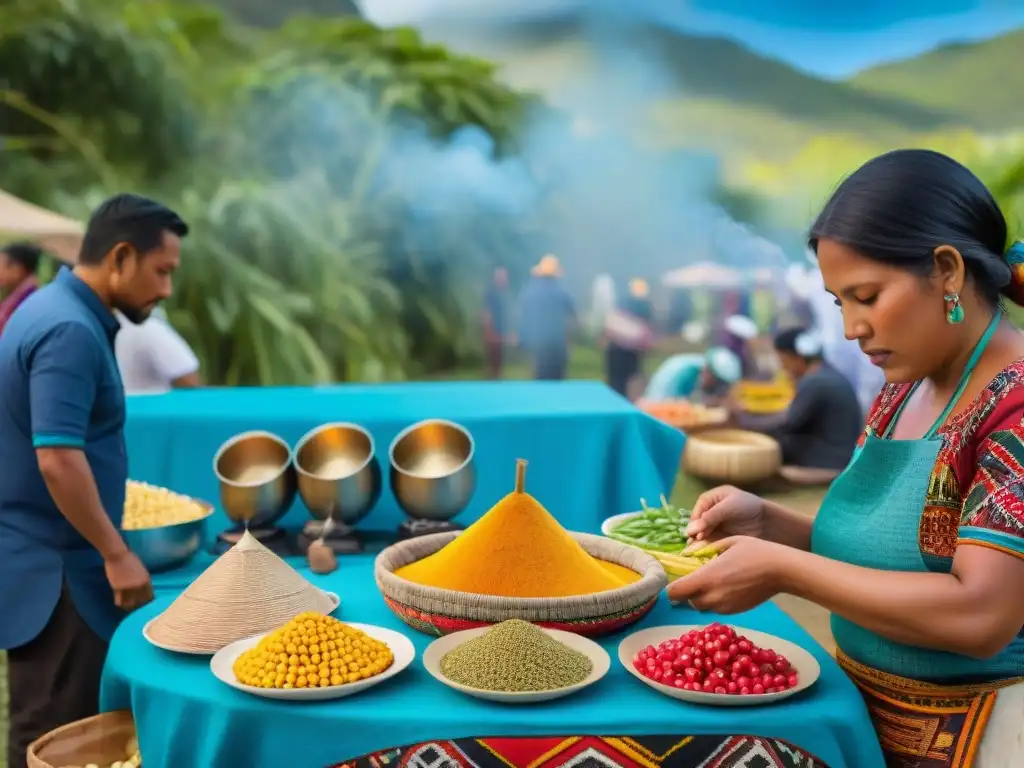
(310, 260)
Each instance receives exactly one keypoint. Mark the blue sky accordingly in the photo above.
(831, 39)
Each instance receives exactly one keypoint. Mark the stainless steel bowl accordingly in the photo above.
(169, 546)
(339, 475)
(257, 479)
(432, 473)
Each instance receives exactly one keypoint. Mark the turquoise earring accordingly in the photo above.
(955, 315)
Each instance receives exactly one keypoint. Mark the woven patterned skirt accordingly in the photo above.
(921, 725)
(593, 752)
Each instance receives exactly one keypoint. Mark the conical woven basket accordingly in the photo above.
(99, 740)
(731, 456)
(443, 611)
(247, 591)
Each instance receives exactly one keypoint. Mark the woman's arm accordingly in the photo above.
(785, 526)
(975, 610)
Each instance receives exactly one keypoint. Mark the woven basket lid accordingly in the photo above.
(247, 591)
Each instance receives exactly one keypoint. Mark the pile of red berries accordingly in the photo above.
(716, 660)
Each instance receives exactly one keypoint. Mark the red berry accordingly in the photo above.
(656, 674)
(767, 680)
(680, 682)
(758, 689)
(732, 687)
(792, 681)
(744, 645)
(779, 681)
(720, 689)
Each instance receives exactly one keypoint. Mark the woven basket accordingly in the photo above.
(443, 611)
(247, 591)
(731, 456)
(100, 740)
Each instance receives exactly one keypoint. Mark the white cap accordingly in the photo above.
(809, 344)
(741, 326)
(724, 364)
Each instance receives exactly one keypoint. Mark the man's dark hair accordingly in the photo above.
(789, 341)
(25, 254)
(132, 219)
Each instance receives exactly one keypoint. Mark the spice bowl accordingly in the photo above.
(599, 659)
(440, 612)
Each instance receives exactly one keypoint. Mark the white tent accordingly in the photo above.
(704, 275)
(20, 220)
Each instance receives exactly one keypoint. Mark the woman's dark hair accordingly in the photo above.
(901, 206)
(25, 254)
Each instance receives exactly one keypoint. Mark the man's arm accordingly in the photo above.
(801, 411)
(62, 389)
(170, 355)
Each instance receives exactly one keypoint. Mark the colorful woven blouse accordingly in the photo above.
(976, 491)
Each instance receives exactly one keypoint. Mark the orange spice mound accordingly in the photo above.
(517, 549)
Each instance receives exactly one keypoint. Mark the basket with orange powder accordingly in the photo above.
(517, 562)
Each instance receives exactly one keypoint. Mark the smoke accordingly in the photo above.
(616, 201)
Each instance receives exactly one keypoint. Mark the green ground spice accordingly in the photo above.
(515, 656)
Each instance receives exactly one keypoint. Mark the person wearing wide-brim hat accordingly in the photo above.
(546, 315)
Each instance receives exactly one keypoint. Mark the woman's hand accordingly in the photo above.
(725, 511)
(745, 574)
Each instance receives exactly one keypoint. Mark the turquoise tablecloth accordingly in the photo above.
(592, 454)
(186, 717)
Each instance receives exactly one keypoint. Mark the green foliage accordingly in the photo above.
(970, 80)
(302, 266)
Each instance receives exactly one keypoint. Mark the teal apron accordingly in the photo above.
(871, 516)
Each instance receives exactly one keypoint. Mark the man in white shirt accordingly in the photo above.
(153, 357)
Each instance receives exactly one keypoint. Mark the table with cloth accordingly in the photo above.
(592, 454)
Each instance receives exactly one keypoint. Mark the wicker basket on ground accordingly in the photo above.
(732, 456)
(100, 740)
(443, 611)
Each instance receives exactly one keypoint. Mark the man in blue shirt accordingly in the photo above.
(546, 316)
(66, 576)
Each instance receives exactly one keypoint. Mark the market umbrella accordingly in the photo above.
(704, 275)
(24, 221)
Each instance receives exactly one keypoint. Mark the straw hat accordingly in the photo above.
(638, 288)
(247, 591)
(548, 266)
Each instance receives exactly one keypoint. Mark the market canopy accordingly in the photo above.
(704, 275)
(20, 220)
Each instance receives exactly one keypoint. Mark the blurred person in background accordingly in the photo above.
(824, 420)
(19, 263)
(705, 379)
(628, 332)
(496, 322)
(546, 318)
(67, 578)
(738, 331)
(153, 357)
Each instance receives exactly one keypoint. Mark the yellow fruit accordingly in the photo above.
(312, 651)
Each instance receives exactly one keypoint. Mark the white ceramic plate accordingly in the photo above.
(332, 596)
(599, 660)
(222, 666)
(615, 520)
(806, 666)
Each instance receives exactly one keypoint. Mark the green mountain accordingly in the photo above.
(271, 13)
(973, 80)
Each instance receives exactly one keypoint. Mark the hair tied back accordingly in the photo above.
(1014, 257)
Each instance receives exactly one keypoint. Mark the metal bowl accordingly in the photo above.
(339, 475)
(432, 473)
(169, 546)
(257, 479)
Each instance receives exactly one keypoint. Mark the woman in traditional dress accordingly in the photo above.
(918, 547)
